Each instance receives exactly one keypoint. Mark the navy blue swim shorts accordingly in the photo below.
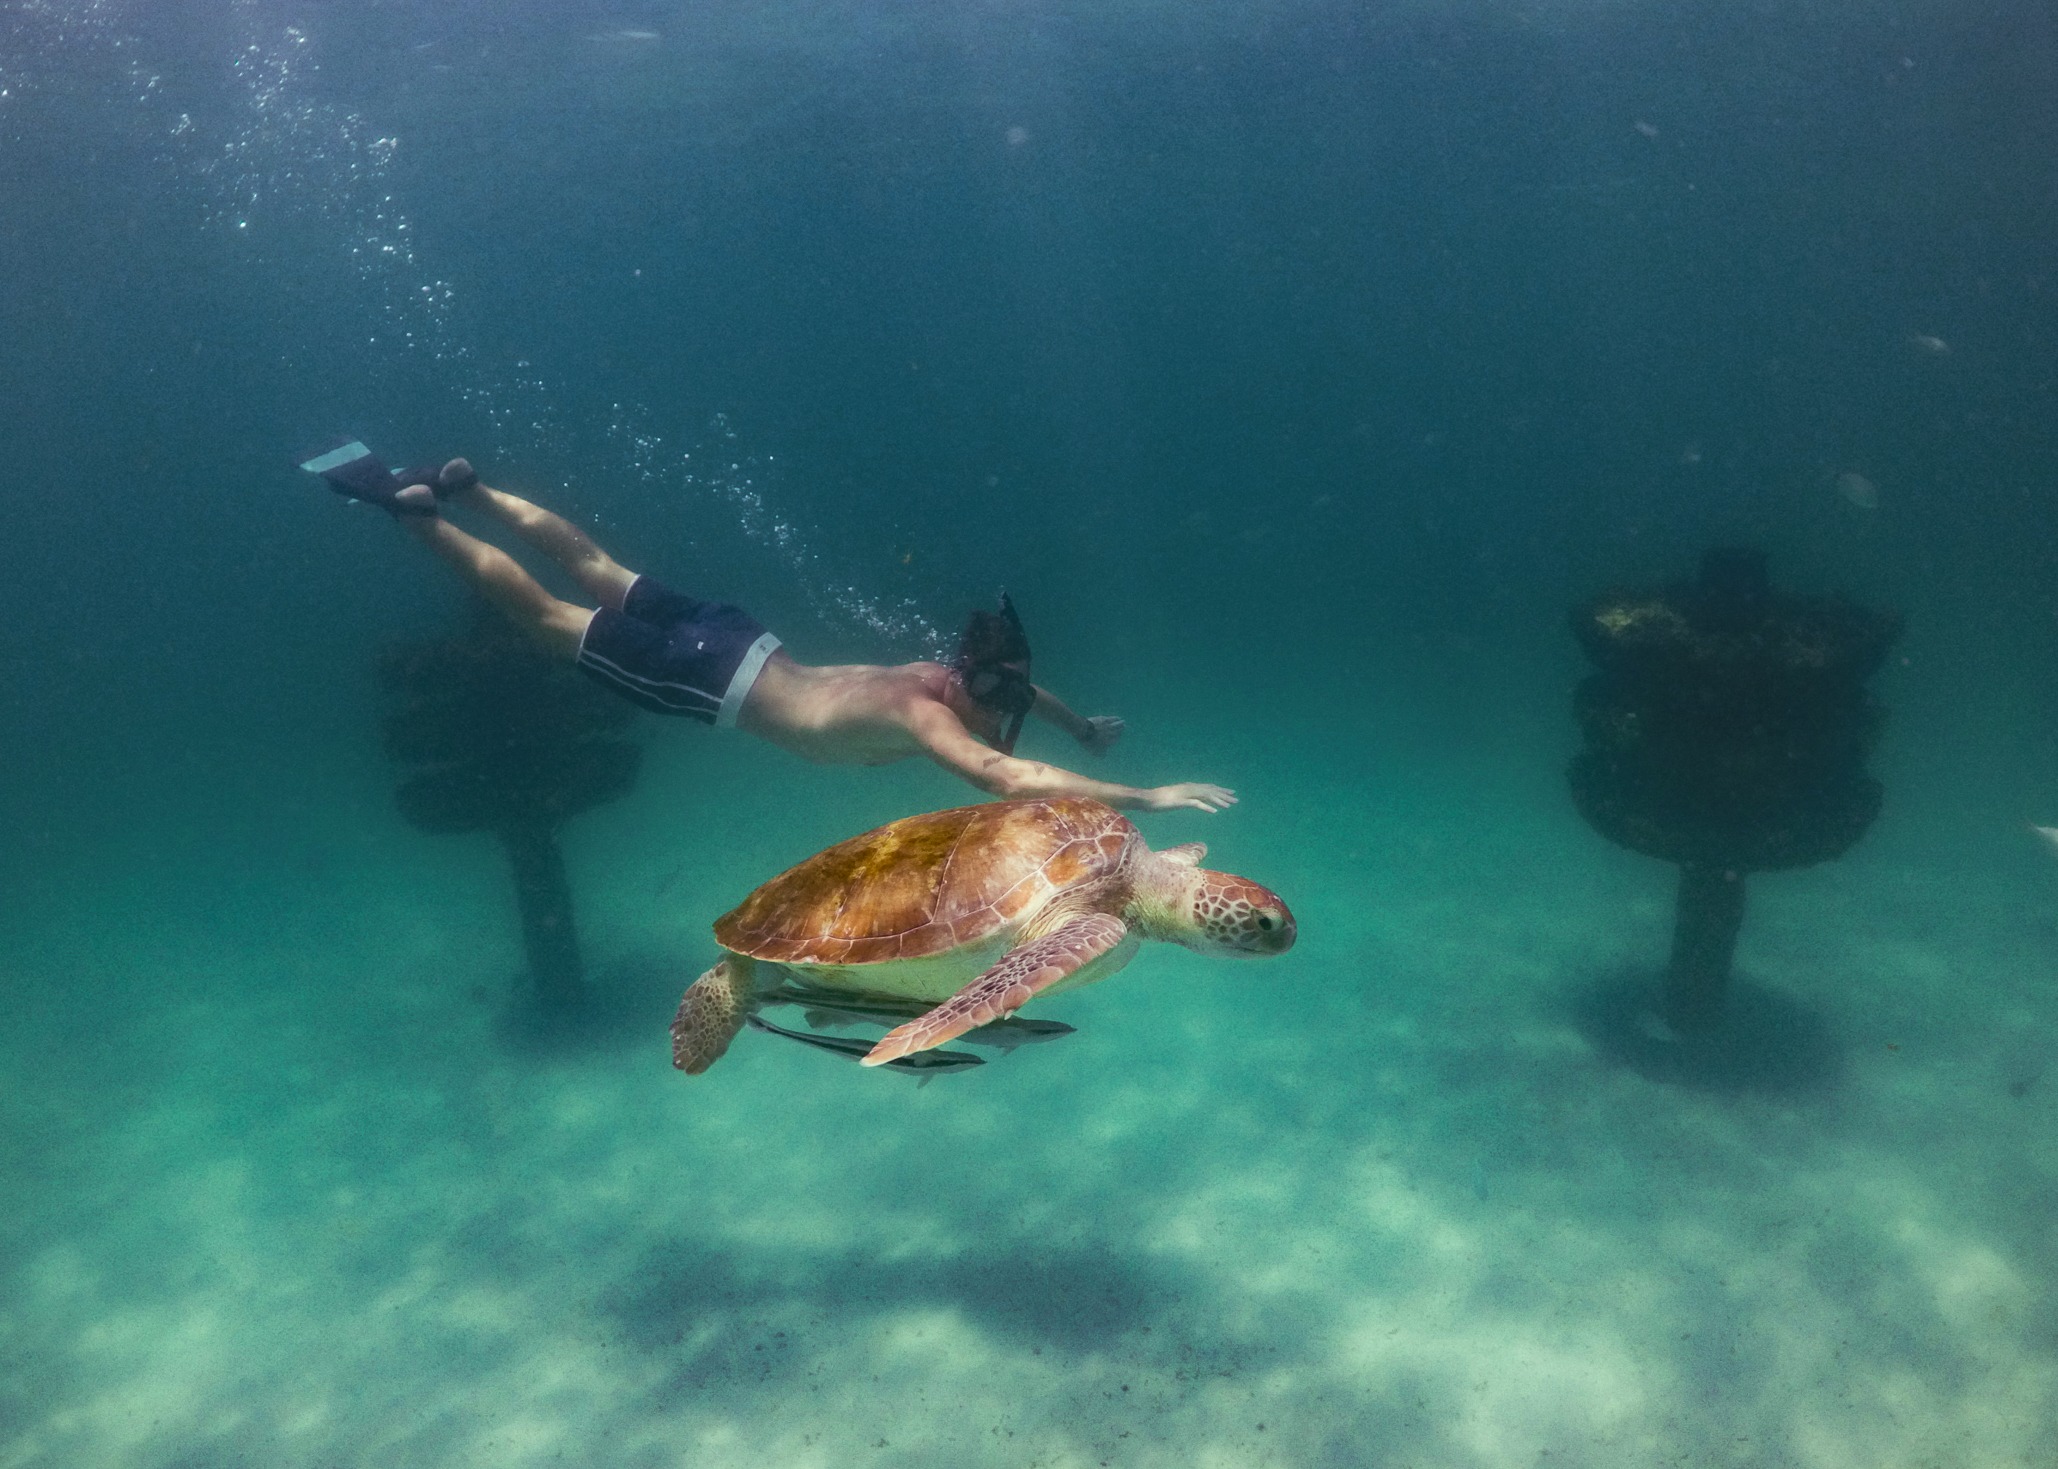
(675, 655)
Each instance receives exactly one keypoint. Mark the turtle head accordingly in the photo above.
(1214, 912)
(1238, 918)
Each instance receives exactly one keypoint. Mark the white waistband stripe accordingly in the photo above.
(746, 676)
(662, 690)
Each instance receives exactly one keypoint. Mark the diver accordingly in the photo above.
(714, 662)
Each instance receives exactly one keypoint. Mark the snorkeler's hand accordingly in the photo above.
(1102, 730)
(1195, 794)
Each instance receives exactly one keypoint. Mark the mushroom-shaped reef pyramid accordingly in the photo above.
(500, 739)
(1725, 729)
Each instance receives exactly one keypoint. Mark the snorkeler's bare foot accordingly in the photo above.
(455, 478)
(452, 480)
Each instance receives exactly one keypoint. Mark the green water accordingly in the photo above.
(1296, 369)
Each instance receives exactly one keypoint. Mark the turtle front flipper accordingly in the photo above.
(1006, 987)
(712, 1013)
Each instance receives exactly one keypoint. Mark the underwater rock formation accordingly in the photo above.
(512, 743)
(1726, 730)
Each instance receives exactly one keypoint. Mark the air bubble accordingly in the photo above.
(274, 157)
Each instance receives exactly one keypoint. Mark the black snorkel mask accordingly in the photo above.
(993, 665)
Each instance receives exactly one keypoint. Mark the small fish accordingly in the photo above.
(851, 1007)
(1647, 129)
(819, 1019)
(1935, 346)
(638, 37)
(1005, 1035)
(924, 1064)
(2048, 833)
(832, 1011)
(1857, 489)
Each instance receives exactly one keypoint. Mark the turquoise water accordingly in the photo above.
(1296, 369)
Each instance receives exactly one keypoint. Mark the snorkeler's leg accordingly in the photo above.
(605, 580)
(555, 626)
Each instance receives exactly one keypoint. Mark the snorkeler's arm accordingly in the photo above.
(1096, 734)
(1053, 710)
(952, 746)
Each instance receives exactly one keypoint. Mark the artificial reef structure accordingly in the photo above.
(500, 739)
(1726, 728)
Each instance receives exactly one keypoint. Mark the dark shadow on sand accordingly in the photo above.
(1768, 1044)
(625, 1003)
(1074, 1300)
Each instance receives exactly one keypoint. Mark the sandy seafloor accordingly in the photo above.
(286, 1188)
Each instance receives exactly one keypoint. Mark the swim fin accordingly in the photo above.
(355, 473)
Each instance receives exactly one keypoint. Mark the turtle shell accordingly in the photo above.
(925, 885)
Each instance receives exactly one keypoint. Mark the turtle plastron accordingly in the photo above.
(1010, 984)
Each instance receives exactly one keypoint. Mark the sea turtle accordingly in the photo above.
(978, 909)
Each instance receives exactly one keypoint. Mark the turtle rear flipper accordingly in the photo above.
(1007, 986)
(711, 1014)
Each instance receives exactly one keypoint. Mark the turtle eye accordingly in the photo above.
(1265, 922)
